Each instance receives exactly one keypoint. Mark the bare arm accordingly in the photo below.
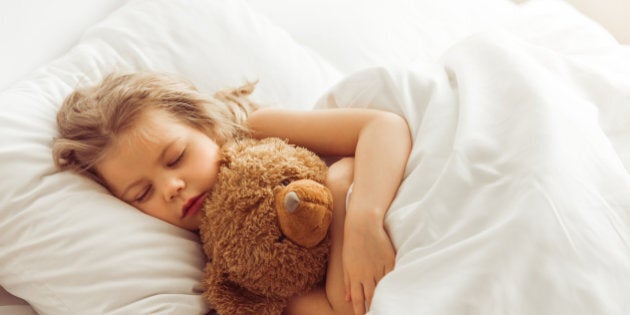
(380, 142)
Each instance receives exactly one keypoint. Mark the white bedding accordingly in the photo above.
(515, 198)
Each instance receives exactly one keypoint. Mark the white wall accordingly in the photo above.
(612, 14)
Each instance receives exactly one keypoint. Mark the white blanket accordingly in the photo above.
(516, 199)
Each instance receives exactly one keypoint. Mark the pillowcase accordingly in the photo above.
(355, 34)
(34, 33)
(66, 245)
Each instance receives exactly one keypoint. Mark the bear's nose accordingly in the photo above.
(291, 202)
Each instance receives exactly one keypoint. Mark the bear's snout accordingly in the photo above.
(304, 209)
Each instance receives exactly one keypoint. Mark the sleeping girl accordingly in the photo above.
(153, 141)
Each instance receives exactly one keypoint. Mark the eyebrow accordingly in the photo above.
(160, 158)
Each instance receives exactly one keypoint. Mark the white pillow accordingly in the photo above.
(66, 245)
(354, 34)
(34, 32)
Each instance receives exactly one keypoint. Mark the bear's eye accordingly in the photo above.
(286, 182)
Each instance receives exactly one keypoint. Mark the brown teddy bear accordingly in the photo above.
(265, 226)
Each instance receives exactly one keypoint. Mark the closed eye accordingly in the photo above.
(145, 194)
(177, 160)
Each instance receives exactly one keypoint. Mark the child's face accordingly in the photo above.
(163, 167)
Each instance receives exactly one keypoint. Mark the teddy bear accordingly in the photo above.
(265, 226)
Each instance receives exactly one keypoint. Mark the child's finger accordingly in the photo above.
(368, 292)
(346, 281)
(358, 300)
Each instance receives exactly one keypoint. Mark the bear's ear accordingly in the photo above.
(226, 156)
(231, 149)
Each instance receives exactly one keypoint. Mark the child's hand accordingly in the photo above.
(368, 255)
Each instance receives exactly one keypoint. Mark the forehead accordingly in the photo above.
(151, 129)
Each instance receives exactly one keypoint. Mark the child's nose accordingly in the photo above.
(174, 187)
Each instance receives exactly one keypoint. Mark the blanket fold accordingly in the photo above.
(516, 198)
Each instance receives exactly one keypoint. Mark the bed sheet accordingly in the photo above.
(515, 198)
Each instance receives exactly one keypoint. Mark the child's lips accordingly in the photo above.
(193, 205)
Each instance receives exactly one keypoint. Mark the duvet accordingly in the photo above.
(516, 198)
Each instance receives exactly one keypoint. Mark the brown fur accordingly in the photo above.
(253, 267)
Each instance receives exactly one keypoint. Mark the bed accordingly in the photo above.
(515, 198)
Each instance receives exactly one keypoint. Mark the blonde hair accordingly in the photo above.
(91, 118)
